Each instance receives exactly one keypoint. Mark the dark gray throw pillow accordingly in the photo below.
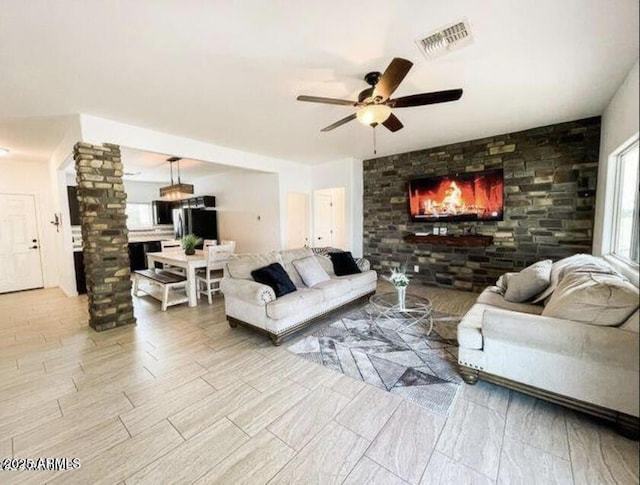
(343, 263)
(276, 277)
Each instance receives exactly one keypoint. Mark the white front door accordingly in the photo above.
(20, 265)
(297, 220)
(322, 219)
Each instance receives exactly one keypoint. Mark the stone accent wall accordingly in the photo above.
(104, 234)
(550, 179)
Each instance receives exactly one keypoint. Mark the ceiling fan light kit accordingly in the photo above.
(373, 114)
(176, 191)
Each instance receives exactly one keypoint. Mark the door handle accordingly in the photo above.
(33, 247)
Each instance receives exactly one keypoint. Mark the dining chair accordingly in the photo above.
(174, 245)
(209, 282)
(228, 242)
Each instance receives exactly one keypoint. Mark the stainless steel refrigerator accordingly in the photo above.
(201, 222)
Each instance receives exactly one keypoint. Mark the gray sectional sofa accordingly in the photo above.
(255, 305)
(587, 360)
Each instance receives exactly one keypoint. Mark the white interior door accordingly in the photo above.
(20, 265)
(297, 220)
(322, 219)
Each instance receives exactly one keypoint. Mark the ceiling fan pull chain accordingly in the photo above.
(374, 141)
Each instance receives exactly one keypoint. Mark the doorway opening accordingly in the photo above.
(297, 220)
(329, 218)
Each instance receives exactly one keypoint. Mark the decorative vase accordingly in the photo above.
(402, 295)
(190, 251)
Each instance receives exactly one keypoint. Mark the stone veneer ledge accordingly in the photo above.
(545, 171)
(104, 233)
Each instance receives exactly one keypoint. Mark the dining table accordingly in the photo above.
(190, 264)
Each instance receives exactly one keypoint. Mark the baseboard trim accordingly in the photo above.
(626, 425)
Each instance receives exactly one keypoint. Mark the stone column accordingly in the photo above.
(104, 234)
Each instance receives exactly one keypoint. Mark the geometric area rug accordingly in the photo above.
(405, 361)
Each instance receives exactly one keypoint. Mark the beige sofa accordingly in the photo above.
(255, 305)
(589, 367)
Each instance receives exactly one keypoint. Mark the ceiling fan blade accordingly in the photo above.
(319, 99)
(392, 77)
(393, 123)
(426, 98)
(340, 122)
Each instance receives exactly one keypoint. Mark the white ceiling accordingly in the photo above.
(229, 72)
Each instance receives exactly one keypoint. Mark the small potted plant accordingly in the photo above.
(189, 243)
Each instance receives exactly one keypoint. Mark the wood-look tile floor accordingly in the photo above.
(183, 398)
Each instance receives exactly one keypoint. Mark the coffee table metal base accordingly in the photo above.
(416, 309)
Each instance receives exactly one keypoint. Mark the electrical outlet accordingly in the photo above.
(416, 268)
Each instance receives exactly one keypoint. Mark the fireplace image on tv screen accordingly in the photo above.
(477, 196)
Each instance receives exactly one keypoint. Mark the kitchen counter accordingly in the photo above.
(165, 237)
(135, 236)
(148, 235)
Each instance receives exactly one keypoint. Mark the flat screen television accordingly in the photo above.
(472, 196)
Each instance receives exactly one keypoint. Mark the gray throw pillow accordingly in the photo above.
(598, 299)
(529, 282)
(310, 271)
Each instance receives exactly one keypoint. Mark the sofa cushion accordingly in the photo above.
(360, 281)
(241, 265)
(470, 327)
(290, 255)
(597, 299)
(491, 296)
(343, 263)
(276, 277)
(584, 263)
(503, 282)
(325, 262)
(310, 271)
(529, 282)
(293, 303)
(333, 288)
(632, 324)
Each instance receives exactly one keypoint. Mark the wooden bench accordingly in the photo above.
(160, 284)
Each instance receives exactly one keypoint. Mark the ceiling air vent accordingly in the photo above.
(445, 40)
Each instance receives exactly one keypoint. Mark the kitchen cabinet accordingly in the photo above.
(138, 253)
(74, 205)
(162, 212)
(81, 279)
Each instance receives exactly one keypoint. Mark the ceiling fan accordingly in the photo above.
(375, 104)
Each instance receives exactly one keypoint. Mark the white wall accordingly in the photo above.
(33, 178)
(291, 176)
(619, 124)
(248, 207)
(345, 173)
(59, 160)
(142, 192)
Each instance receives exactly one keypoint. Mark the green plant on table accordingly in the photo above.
(189, 243)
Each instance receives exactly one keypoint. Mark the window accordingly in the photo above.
(139, 215)
(625, 244)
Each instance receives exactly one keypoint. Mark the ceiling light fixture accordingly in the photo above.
(176, 191)
(4, 151)
(373, 114)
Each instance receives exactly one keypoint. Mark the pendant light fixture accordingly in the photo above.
(176, 191)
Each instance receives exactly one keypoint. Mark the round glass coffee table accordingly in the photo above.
(416, 309)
